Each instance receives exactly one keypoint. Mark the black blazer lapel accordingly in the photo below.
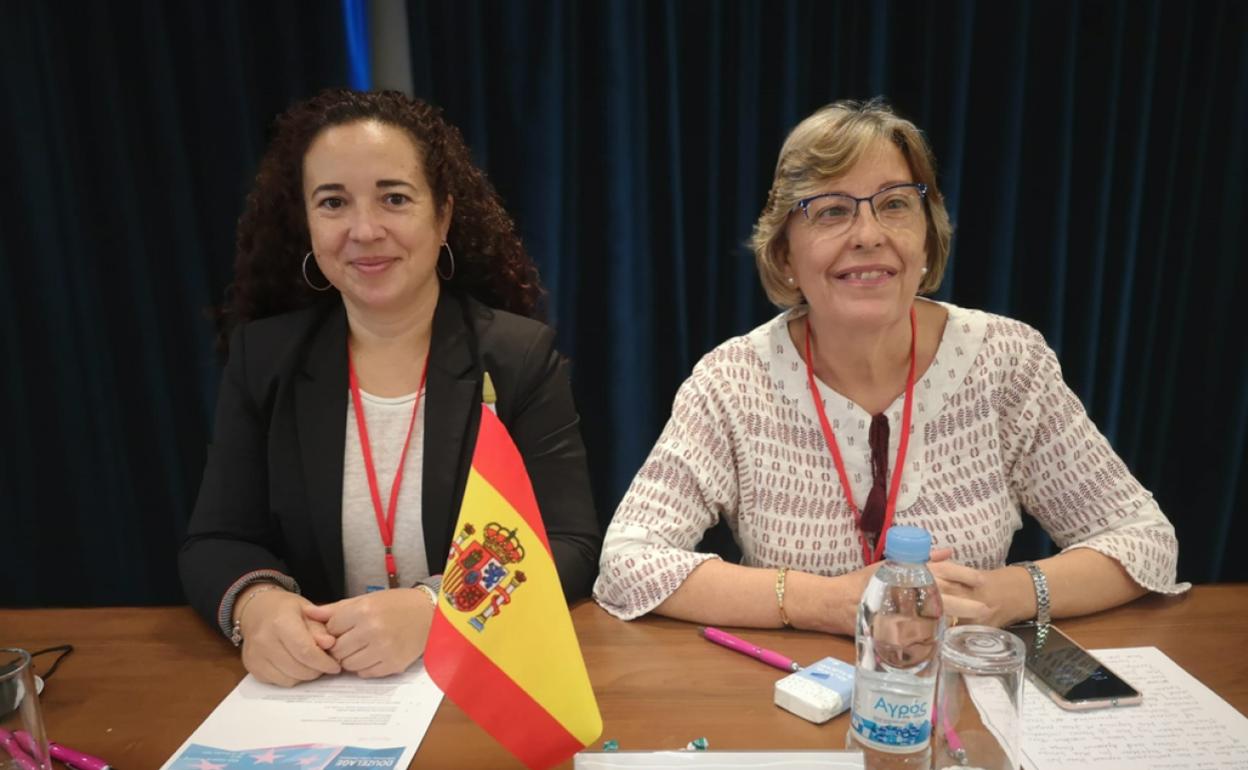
(453, 401)
(321, 420)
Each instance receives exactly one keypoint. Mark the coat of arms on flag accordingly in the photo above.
(483, 568)
(502, 646)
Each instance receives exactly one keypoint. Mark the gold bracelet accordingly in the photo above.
(784, 616)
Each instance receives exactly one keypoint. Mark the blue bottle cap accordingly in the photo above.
(908, 544)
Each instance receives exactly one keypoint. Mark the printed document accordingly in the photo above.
(333, 722)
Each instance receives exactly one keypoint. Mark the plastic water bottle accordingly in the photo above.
(900, 623)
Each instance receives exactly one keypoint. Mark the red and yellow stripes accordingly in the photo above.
(493, 700)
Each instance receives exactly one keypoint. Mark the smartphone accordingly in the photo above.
(1069, 674)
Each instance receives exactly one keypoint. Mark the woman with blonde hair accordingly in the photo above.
(864, 405)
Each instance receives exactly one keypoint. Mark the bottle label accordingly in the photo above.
(888, 720)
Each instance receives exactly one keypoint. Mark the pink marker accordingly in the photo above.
(60, 753)
(9, 743)
(736, 643)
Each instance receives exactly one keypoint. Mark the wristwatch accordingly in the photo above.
(1041, 584)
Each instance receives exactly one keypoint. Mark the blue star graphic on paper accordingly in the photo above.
(493, 574)
(303, 757)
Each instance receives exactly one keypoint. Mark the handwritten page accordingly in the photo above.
(333, 722)
(1181, 725)
(996, 710)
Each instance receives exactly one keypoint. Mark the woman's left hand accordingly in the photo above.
(379, 633)
(987, 597)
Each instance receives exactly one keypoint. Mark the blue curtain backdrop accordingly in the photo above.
(1093, 155)
(131, 132)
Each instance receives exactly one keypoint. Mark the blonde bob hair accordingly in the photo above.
(825, 146)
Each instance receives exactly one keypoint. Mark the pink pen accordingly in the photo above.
(725, 639)
(9, 743)
(953, 742)
(60, 753)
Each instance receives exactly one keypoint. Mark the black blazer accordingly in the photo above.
(271, 496)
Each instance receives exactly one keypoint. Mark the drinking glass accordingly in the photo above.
(23, 742)
(979, 700)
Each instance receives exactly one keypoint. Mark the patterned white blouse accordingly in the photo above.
(995, 430)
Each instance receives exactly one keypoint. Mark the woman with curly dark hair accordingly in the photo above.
(379, 287)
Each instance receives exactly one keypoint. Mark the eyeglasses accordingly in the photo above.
(877, 499)
(898, 207)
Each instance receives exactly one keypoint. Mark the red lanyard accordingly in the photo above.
(385, 521)
(902, 445)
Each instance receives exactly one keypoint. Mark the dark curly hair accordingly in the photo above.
(490, 262)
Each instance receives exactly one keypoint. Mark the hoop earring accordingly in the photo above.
(311, 285)
(451, 274)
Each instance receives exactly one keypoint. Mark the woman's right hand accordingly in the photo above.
(826, 604)
(281, 646)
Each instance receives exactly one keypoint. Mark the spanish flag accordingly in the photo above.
(502, 646)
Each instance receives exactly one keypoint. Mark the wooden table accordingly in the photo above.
(142, 679)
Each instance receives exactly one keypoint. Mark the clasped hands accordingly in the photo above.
(287, 639)
(988, 597)
(970, 595)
